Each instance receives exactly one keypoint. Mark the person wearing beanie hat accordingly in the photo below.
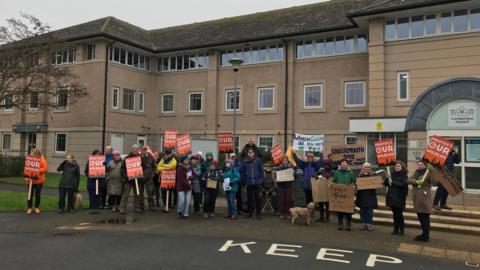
(130, 184)
(93, 197)
(344, 176)
(211, 180)
(309, 168)
(366, 200)
(184, 178)
(206, 163)
(114, 180)
(148, 162)
(168, 162)
(251, 172)
(196, 186)
(231, 178)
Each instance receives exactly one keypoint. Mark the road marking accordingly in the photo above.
(433, 252)
(373, 258)
(409, 248)
(324, 252)
(275, 247)
(230, 243)
(458, 255)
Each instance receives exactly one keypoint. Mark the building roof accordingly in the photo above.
(298, 20)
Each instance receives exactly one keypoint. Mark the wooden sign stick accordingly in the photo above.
(96, 186)
(167, 203)
(136, 186)
(29, 189)
(388, 172)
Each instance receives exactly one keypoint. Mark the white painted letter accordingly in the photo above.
(373, 258)
(230, 243)
(272, 250)
(323, 252)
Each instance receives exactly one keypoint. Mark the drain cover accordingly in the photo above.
(63, 234)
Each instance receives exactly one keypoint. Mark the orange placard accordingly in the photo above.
(385, 150)
(32, 166)
(170, 138)
(167, 179)
(134, 167)
(277, 154)
(225, 142)
(184, 145)
(96, 168)
(438, 150)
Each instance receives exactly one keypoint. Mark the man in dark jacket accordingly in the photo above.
(129, 184)
(68, 184)
(251, 172)
(148, 163)
(251, 145)
(441, 194)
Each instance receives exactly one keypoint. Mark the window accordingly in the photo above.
(355, 94)
(460, 20)
(265, 142)
(402, 86)
(362, 43)
(66, 56)
(349, 44)
(90, 52)
(446, 22)
(390, 32)
(253, 55)
(266, 98)
(6, 141)
(430, 24)
(307, 49)
(475, 19)
(33, 101)
(182, 62)
(230, 100)
(312, 96)
(115, 95)
(339, 45)
(350, 139)
(128, 100)
(403, 28)
(168, 103)
(7, 103)
(320, 45)
(62, 99)
(129, 58)
(417, 26)
(141, 101)
(60, 142)
(329, 46)
(195, 101)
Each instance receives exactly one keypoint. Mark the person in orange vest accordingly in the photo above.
(37, 184)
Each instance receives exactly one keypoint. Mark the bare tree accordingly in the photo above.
(30, 66)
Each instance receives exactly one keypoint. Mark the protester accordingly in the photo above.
(68, 183)
(344, 176)
(148, 164)
(168, 162)
(114, 181)
(37, 184)
(205, 164)
(239, 195)
(366, 200)
(441, 194)
(309, 168)
(326, 171)
(231, 175)
(422, 199)
(251, 173)
(397, 196)
(108, 152)
(285, 191)
(184, 177)
(130, 184)
(196, 185)
(213, 176)
(270, 188)
(93, 197)
(251, 146)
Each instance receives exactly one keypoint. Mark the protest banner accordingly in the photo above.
(385, 151)
(167, 181)
(308, 143)
(438, 150)
(225, 142)
(285, 175)
(277, 154)
(353, 153)
(134, 170)
(448, 181)
(369, 182)
(184, 145)
(289, 155)
(169, 138)
(32, 168)
(320, 189)
(341, 198)
(96, 169)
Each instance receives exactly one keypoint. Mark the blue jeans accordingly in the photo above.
(366, 215)
(232, 205)
(183, 203)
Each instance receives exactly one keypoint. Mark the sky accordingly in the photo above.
(148, 14)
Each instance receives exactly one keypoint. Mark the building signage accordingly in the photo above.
(462, 114)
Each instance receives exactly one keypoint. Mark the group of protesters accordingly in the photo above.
(201, 178)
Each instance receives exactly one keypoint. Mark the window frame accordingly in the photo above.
(56, 141)
(115, 91)
(133, 102)
(57, 96)
(4, 103)
(90, 55)
(173, 103)
(265, 136)
(305, 96)
(259, 89)
(30, 108)
(141, 101)
(407, 98)
(349, 137)
(239, 99)
(364, 104)
(190, 93)
(3, 141)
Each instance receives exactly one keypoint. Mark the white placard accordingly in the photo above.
(285, 175)
(226, 184)
(310, 143)
(462, 114)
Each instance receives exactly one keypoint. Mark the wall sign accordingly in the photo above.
(462, 114)
(472, 150)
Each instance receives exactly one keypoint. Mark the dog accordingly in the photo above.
(78, 200)
(307, 212)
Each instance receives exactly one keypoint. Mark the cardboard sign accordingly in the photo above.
(225, 142)
(170, 138)
(32, 166)
(134, 167)
(96, 168)
(448, 181)
(341, 198)
(369, 182)
(277, 154)
(285, 175)
(320, 189)
(438, 150)
(184, 146)
(310, 143)
(167, 179)
(211, 184)
(353, 153)
(385, 150)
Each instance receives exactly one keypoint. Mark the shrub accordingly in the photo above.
(11, 166)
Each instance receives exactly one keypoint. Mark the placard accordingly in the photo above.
(308, 143)
(32, 166)
(438, 150)
(320, 189)
(385, 151)
(167, 179)
(369, 182)
(134, 168)
(184, 145)
(170, 138)
(448, 181)
(285, 175)
(341, 198)
(225, 142)
(96, 168)
(277, 154)
(353, 153)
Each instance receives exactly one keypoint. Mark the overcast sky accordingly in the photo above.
(149, 14)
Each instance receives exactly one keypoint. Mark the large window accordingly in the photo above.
(141, 101)
(60, 142)
(253, 55)
(195, 101)
(312, 96)
(62, 99)
(66, 56)
(182, 62)
(7, 103)
(265, 142)
(128, 99)
(33, 101)
(355, 94)
(331, 46)
(168, 101)
(6, 141)
(90, 51)
(130, 58)
(115, 97)
(402, 86)
(266, 97)
(230, 100)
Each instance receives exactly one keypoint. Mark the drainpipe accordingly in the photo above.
(285, 114)
(105, 88)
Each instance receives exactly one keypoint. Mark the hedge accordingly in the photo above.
(11, 166)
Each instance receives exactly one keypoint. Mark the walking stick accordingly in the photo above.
(136, 186)
(96, 186)
(29, 189)
(167, 202)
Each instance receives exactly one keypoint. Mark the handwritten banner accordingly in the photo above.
(385, 150)
(370, 182)
(448, 181)
(286, 175)
(96, 168)
(167, 179)
(341, 198)
(310, 143)
(170, 138)
(32, 166)
(353, 153)
(184, 145)
(225, 142)
(438, 150)
(320, 189)
(134, 167)
(277, 154)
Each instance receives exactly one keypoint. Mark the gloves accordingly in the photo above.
(389, 180)
(430, 167)
(419, 183)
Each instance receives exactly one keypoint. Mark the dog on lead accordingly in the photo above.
(306, 212)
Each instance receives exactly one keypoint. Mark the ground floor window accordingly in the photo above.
(400, 140)
(6, 141)
(60, 142)
(265, 142)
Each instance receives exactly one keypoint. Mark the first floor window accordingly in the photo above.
(402, 86)
(230, 100)
(115, 95)
(312, 96)
(266, 98)
(141, 101)
(195, 101)
(128, 99)
(265, 142)
(62, 99)
(8, 103)
(355, 94)
(6, 141)
(90, 51)
(33, 101)
(350, 139)
(60, 142)
(168, 103)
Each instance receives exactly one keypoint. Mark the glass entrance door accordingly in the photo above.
(31, 142)
(471, 163)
